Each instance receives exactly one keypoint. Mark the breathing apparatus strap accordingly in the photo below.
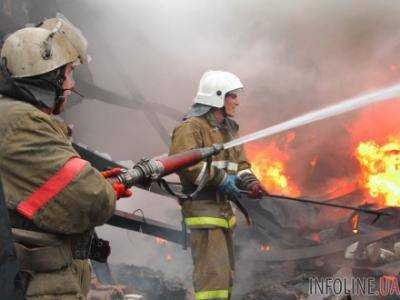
(181, 196)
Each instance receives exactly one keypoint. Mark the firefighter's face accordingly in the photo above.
(67, 86)
(69, 81)
(231, 102)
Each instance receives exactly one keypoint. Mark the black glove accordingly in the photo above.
(255, 190)
(99, 250)
(250, 183)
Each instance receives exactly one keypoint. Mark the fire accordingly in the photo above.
(380, 166)
(355, 221)
(314, 161)
(315, 237)
(350, 156)
(168, 257)
(268, 163)
(160, 241)
(265, 247)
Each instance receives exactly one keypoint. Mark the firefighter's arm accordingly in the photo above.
(37, 151)
(188, 136)
(246, 180)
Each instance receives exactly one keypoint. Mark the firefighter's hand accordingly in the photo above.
(120, 189)
(255, 190)
(228, 186)
(111, 172)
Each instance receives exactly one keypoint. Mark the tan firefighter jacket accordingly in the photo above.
(34, 149)
(208, 210)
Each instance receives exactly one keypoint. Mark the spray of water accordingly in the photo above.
(330, 111)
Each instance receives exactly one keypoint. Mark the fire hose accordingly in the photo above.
(358, 209)
(153, 169)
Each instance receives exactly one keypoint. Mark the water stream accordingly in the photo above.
(324, 113)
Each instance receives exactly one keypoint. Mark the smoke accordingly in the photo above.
(293, 56)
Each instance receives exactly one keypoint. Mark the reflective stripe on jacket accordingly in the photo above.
(205, 295)
(210, 221)
(33, 148)
(39, 198)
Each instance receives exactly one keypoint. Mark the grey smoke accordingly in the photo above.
(293, 56)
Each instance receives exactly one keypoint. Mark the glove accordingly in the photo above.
(228, 186)
(120, 189)
(255, 190)
(100, 250)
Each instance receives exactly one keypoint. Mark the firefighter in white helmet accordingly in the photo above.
(54, 198)
(209, 215)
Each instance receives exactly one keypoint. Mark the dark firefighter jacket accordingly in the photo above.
(47, 185)
(209, 209)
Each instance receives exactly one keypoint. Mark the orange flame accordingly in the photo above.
(315, 237)
(265, 247)
(380, 166)
(314, 161)
(160, 241)
(355, 221)
(359, 156)
(168, 257)
(268, 163)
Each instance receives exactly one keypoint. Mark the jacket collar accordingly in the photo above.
(227, 125)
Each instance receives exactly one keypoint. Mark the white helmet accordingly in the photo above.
(35, 51)
(213, 87)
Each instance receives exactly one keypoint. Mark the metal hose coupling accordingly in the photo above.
(152, 169)
(145, 169)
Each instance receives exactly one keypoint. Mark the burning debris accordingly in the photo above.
(361, 153)
(161, 241)
(358, 164)
(380, 165)
(265, 247)
(269, 166)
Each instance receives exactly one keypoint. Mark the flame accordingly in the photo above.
(358, 159)
(314, 161)
(268, 163)
(315, 237)
(355, 221)
(290, 137)
(380, 167)
(168, 257)
(265, 247)
(160, 241)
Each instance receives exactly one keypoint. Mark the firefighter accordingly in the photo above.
(209, 215)
(54, 198)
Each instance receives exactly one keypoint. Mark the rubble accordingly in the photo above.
(99, 291)
(153, 285)
(362, 249)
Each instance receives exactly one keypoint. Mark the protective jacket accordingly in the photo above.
(49, 189)
(209, 209)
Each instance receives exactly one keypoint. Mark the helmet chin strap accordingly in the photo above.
(77, 92)
(224, 112)
(61, 99)
(57, 107)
